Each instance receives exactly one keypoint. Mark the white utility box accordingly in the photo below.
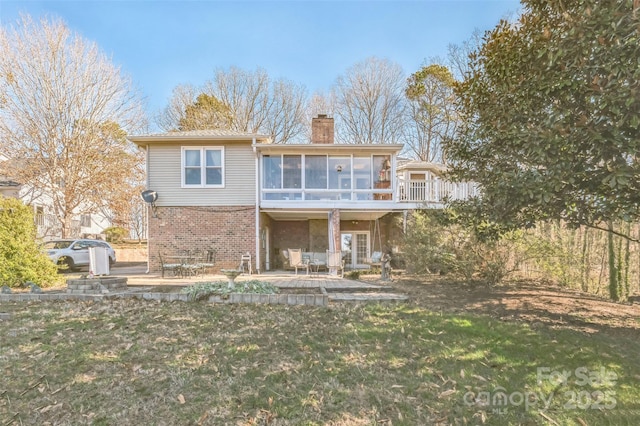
(98, 261)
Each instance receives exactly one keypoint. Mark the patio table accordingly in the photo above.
(189, 264)
(314, 267)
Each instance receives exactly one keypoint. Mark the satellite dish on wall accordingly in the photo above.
(149, 196)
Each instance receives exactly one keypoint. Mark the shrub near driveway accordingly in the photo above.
(21, 259)
(137, 362)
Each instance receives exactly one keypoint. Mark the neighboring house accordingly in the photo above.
(238, 193)
(9, 188)
(88, 225)
(48, 226)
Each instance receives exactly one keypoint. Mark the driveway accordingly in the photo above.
(129, 269)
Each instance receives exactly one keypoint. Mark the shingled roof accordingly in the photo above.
(211, 134)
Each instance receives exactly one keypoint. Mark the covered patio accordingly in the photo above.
(356, 234)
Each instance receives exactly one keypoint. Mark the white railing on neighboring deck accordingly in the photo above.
(434, 191)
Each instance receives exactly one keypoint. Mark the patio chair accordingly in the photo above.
(176, 268)
(335, 262)
(208, 260)
(245, 263)
(296, 261)
(287, 263)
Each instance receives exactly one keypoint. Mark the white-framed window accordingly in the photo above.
(85, 220)
(202, 167)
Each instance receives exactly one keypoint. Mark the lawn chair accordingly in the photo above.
(335, 262)
(296, 261)
(176, 268)
(245, 263)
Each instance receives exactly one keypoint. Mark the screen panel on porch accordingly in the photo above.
(326, 177)
(315, 169)
(362, 178)
(340, 176)
(291, 171)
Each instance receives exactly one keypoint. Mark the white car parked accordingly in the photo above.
(72, 254)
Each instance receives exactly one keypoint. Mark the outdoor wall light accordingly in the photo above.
(338, 168)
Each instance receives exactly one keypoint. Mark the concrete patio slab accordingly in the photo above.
(139, 282)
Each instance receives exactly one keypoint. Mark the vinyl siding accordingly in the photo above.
(164, 174)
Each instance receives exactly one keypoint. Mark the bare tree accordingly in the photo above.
(239, 100)
(431, 111)
(125, 207)
(246, 94)
(370, 102)
(181, 97)
(458, 55)
(286, 120)
(191, 109)
(64, 111)
(258, 104)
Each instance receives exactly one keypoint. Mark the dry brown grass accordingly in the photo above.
(139, 362)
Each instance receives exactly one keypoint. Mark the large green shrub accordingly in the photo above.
(436, 244)
(115, 234)
(21, 258)
(423, 247)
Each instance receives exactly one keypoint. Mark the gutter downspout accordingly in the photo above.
(257, 180)
(146, 161)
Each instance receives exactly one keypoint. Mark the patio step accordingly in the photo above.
(367, 297)
(359, 289)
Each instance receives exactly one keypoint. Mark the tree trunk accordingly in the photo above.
(613, 270)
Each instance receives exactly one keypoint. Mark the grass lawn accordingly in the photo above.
(137, 362)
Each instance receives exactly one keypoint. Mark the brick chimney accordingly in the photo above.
(322, 129)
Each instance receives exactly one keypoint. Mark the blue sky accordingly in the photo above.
(162, 44)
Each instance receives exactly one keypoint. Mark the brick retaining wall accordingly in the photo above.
(234, 298)
(101, 285)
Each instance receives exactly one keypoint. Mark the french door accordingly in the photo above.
(355, 249)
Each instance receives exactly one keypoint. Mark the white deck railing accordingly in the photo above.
(434, 191)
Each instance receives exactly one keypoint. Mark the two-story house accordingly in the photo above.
(47, 224)
(238, 193)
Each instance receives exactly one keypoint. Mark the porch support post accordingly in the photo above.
(257, 225)
(334, 234)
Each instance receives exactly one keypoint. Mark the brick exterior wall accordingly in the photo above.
(231, 232)
(318, 235)
(392, 234)
(288, 234)
(228, 230)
